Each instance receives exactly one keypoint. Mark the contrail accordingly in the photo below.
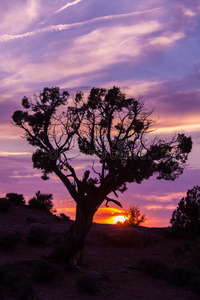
(67, 5)
(53, 28)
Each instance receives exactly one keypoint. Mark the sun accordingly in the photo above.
(119, 219)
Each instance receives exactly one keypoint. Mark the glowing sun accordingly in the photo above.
(119, 219)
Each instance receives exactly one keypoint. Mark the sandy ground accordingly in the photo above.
(111, 257)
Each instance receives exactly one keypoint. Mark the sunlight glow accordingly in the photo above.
(119, 219)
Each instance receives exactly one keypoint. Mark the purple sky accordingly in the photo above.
(148, 48)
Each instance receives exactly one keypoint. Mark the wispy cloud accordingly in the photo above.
(67, 5)
(158, 207)
(9, 132)
(163, 198)
(167, 39)
(33, 9)
(154, 207)
(20, 16)
(14, 153)
(185, 127)
(26, 176)
(190, 13)
(89, 53)
(60, 27)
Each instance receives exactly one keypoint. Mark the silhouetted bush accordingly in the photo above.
(4, 205)
(42, 201)
(154, 267)
(134, 217)
(64, 217)
(44, 271)
(36, 236)
(186, 218)
(88, 284)
(9, 241)
(16, 198)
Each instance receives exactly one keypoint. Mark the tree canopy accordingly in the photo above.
(106, 126)
(186, 217)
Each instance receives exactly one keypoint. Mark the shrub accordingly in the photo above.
(64, 217)
(44, 271)
(8, 241)
(154, 267)
(4, 205)
(16, 198)
(134, 217)
(42, 201)
(88, 284)
(186, 218)
(36, 236)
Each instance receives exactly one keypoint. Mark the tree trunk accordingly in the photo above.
(73, 241)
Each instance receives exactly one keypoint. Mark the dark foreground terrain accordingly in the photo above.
(119, 262)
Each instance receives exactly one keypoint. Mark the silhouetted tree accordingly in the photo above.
(16, 198)
(134, 217)
(42, 201)
(186, 218)
(108, 126)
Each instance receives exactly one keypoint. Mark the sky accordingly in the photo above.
(148, 48)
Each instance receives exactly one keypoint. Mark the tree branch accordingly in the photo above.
(114, 201)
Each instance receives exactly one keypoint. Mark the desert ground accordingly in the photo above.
(111, 267)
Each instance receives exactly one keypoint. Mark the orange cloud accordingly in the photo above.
(156, 207)
(9, 131)
(163, 198)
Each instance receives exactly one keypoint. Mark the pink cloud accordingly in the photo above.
(147, 48)
(166, 40)
(61, 27)
(22, 16)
